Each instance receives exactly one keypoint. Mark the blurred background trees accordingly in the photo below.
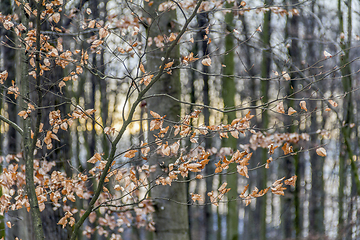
(266, 57)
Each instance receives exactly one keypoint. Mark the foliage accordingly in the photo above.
(115, 187)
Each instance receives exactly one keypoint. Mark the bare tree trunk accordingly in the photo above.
(228, 95)
(317, 192)
(171, 216)
(265, 74)
(292, 32)
(28, 143)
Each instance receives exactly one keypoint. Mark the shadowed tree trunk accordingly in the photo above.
(171, 216)
(292, 32)
(203, 23)
(228, 94)
(12, 137)
(265, 74)
(317, 194)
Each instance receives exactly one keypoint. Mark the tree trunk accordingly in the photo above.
(228, 94)
(317, 193)
(171, 216)
(265, 74)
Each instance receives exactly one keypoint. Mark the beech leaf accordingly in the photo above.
(321, 152)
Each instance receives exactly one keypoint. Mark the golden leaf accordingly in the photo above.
(303, 105)
(23, 114)
(168, 65)
(206, 61)
(7, 24)
(280, 107)
(95, 158)
(154, 114)
(321, 152)
(287, 148)
(103, 32)
(142, 69)
(291, 181)
(56, 17)
(130, 153)
(291, 111)
(172, 37)
(91, 24)
(286, 76)
(334, 104)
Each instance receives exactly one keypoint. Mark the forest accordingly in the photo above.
(179, 119)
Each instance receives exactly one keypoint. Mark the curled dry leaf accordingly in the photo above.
(334, 104)
(95, 158)
(199, 176)
(321, 152)
(196, 197)
(56, 17)
(280, 107)
(206, 61)
(287, 149)
(175, 147)
(154, 114)
(166, 149)
(303, 105)
(7, 24)
(130, 153)
(144, 150)
(3, 76)
(272, 148)
(268, 162)
(222, 189)
(291, 181)
(61, 85)
(142, 69)
(194, 165)
(172, 37)
(286, 76)
(146, 79)
(291, 111)
(23, 114)
(103, 32)
(92, 24)
(168, 65)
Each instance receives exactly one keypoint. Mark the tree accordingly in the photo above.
(167, 227)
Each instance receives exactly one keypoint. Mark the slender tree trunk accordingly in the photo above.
(253, 94)
(317, 193)
(292, 33)
(265, 74)
(228, 94)
(28, 143)
(346, 151)
(171, 216)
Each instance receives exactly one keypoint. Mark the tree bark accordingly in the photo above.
(171, 216)
(228, 94)
(265, 74)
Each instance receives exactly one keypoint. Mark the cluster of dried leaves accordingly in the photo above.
(124, 200)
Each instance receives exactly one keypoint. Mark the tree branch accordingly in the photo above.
(11, 123)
